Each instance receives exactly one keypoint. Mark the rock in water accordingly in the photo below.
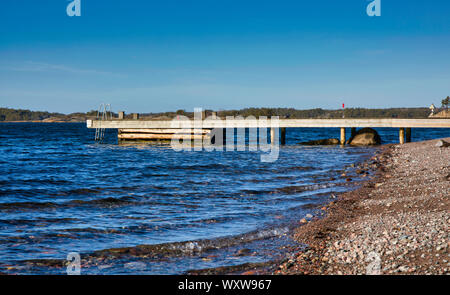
(327, 141)
(365, 136)
(243, 252)
(442, 143)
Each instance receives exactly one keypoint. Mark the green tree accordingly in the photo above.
(446, 102)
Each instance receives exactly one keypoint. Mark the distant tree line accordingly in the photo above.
(24, 115)
(402, 113)
(7, 114)
(332, 114)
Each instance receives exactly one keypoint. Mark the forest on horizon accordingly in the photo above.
(11, 115)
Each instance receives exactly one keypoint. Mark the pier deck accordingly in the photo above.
(283, 123)
(152, 126)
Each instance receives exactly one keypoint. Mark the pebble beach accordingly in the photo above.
(395, 223)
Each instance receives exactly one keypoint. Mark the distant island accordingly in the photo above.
(19, 115)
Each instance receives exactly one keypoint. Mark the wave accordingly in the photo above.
(194, 247)
(36, 181)
(27, 205)
(105, 201)
(38, 221)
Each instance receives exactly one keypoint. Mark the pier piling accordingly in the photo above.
(283, 136)
(342, 135)
(408, 134)
(272, 135)
(402, 135)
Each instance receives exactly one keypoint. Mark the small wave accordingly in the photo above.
(155, 175)
(300, 168)
(37, 221)
(43, 181)
(92, 230)
(105, 201)
(213, 220)
(27, 205)
(21, 192)
(302, 188)
(84, 191)
(254, 192)
(44, 205)
(214, 166)
(191, 247)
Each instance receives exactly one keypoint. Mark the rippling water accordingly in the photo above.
(149, 209)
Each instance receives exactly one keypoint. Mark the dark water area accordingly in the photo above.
(146, 209)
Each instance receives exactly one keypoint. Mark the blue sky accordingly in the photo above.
(151, 56)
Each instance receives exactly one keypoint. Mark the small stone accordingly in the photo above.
(243, 252)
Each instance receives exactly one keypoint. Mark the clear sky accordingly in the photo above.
(151, 56)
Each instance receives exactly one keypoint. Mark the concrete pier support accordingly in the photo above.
(342, 135)
(408, 135)
(401, 135)
(272, 136)
(283, 136)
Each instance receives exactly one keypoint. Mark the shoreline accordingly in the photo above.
(46, 122)
(396, 223)
(366, 168)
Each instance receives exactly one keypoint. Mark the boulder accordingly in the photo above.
(442, 143)
(365, 136)
(328, 141)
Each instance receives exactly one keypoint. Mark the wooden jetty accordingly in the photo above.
(137, 129)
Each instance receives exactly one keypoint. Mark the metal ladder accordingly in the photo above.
(104, 113)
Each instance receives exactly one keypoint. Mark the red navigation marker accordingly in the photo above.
(343, 106)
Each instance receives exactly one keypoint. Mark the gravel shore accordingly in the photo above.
(396, 223)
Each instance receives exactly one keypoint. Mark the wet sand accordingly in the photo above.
(396, 223)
